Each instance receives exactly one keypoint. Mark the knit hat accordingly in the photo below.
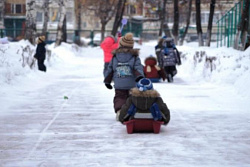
(127, 41)
(42, 38)
(144, 84)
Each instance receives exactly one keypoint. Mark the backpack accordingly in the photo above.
(168, 54)
(124, 70)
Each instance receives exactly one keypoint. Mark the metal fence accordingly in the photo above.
(228, 24)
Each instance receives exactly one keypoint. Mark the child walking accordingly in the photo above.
(109, 44)
(125, 69)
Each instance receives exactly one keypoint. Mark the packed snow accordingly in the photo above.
(65, 117)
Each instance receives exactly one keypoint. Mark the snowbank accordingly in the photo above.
(200, 64)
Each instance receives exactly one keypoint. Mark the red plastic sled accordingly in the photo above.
(143, 125)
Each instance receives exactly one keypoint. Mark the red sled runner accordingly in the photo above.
(143, 125)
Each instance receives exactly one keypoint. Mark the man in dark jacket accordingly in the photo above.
(40, 53)
(143, 97)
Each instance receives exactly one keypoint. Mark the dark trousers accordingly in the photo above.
(41, 66)
(120, 98)
(170, 70)
(105, 68)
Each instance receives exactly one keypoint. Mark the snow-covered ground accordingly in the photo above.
(208, 101)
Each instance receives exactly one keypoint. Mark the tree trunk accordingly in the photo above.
(210, 22)
(1, 16)
(30, 33)
(103, 29)
(62, 10)
(176, 22)
(65, 29)
(118, 16)
(198, 22)
(165, 27)
(188, 22)
(46, 17)
(162, 16)
(237, 38)
(245, 23)
(78, 23)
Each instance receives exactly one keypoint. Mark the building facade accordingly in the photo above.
(136, 11)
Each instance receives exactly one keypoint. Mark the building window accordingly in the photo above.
(205, 18)
(97, 25)
(216, 17)
(54, 15)
(69, 17)
(16, 8)
(84, 24)
(39, 17)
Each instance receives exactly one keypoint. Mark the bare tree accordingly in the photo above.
(198, 22)
(30, 33)
(64, 37)
(162, 16)
(2, 11)
(118, 17)
(244, 24)
(103, 9)
(46, 17)
(78, 14)
(62, 10)
(188, 22)
(175, 30)
(210, 22)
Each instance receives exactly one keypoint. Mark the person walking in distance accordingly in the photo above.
(40, 54)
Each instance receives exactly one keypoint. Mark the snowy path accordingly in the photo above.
(209, 127)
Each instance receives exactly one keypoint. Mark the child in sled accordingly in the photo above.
(144, 102)
(152, 70)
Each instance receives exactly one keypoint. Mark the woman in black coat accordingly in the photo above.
(40, 53)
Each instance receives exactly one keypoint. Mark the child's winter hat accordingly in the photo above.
(42, 38)
(144, 84)
(127, 41)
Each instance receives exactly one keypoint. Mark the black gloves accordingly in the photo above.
(108, 86)
(138, 78)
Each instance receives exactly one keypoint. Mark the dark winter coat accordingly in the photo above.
(152, 70)
(40, 51)
(143, 100)
(124, 68)
(171, 58)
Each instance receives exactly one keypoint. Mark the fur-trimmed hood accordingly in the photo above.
(149, 93)
(133, 52)
(143, 100)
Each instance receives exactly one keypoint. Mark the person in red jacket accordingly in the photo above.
(152, 70)
(109, 44)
